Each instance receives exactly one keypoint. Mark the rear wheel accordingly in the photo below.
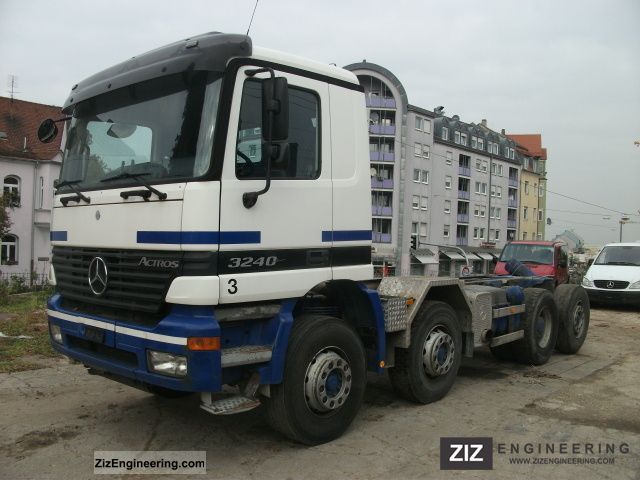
(573, 312)
(323, 383)
(425, 371)
(540, 328)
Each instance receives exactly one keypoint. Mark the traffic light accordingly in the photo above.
(414, 242)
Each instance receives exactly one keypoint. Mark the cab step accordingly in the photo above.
(229, 405)
(245, 355)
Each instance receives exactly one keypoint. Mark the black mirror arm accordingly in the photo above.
(249, 199)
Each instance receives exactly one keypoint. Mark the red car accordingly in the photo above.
(547, 259)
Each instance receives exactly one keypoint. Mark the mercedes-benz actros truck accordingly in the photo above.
(212, 234)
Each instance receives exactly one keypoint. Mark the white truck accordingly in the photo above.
(212, 230)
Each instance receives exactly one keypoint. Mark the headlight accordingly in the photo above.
(635, 285)
(167, 363)
(56, 333)
(586, 282)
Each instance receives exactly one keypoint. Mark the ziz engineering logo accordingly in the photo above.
(466, 453)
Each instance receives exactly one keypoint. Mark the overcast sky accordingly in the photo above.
(567, 69)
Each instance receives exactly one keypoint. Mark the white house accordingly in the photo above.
(27, 171)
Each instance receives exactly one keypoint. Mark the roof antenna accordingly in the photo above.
(251, 21)
(12, 83)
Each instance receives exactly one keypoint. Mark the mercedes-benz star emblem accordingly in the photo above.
(610, 284)
(98, 276)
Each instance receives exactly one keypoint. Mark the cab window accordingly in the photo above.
(299, 156)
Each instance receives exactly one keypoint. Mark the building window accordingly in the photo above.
(446, 230)
(481, 188)
(416, 175)
(476, 210)
(456, 137)
(449, 158)
(418, 123)
(481, 143)
(474, 142)
(445, 133)
(463, 139)
(499, 192)
(417, 149)
(425, 176)
(423, 231)
(483, 211)
(447, 182)
(493, 190)
(12, 190)
(478, 233)
(485, 166)
(424, 203)
(498, 213)
(495, 149)
(425, 151)
(426, 125)
(512, 154)
(540, 215)
(539, 236)
(541, 190)
(415, 202)
(492, 212)
(525, 212)
(497, 236)
(9, 250)
(478, 164)
(526, 187)
(524, 235)
(447, 206)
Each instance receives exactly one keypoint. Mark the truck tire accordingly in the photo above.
(573, 312)
(540, 328)
(425, 372)
(323, 382)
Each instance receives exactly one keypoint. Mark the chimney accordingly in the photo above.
(484, 122)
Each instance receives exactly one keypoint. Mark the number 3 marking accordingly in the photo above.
(233, 286)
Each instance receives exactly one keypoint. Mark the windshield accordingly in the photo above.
(538, 254)
(619, 255)
(162, 129)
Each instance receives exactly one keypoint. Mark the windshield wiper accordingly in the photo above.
(78, 194)
(138, 177)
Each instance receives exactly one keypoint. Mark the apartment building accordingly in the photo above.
(27, 170)
(533, 189)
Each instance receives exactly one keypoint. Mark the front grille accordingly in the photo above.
(617, 284)
(134, 292)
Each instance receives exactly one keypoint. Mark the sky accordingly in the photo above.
(567, 69)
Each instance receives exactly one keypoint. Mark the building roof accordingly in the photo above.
(532, 142)
(379, 69)
(19, 120)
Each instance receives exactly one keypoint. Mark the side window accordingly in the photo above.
(297, 158)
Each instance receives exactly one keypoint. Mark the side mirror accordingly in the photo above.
(275, 109)
(47, 131)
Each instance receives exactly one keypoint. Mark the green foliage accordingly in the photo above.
(5, 221)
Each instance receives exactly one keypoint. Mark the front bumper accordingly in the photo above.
(120, 349)
(614, 297)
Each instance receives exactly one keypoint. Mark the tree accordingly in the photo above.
(5, 222)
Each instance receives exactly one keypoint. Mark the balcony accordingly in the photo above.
(381, 211)
(380, 102)
(464, 194)
(513, 203)
(42, 218)
(511, 223)
(381, 237)
(465, 171)
(377, 156)
(462, 241)
(463, 218)
(378, 129)
(513, 182)
(380, 183)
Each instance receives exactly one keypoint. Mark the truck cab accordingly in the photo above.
(546, 259)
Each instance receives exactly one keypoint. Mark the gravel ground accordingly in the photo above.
(54, 418)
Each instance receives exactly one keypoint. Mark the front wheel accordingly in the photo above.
(425, 371)
(323, 383)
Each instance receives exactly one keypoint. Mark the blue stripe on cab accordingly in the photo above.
(198, 238)
(58, 235)
(345, 235)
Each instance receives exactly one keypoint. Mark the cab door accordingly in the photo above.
(275, 248)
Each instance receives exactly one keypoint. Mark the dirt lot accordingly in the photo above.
(52, 419)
